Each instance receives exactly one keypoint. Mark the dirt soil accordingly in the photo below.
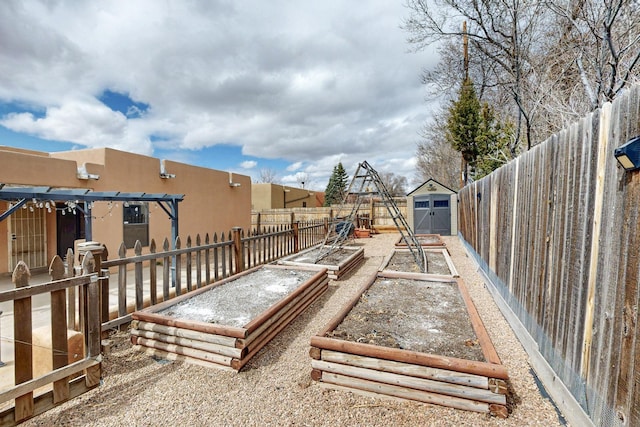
(423, 316)
(404, 261)
(239, 301)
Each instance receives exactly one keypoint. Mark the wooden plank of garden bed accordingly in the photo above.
(311, 290)
(267, 314)
(488, 350)
(392, 366)
(185, 333)
(424, 277)
(404, 392)
(268, 336)
(447, 258)
(222, 350)
(209, 328)
(407, 381)
(489, 370)
(160, 354)
(185, 351)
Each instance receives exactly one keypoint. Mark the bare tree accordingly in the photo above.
(503, 34)
(303, 179)
(268, 176)
(396, 185)
(436, 158)
(603, 38)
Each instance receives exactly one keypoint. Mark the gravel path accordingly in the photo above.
(275, 387)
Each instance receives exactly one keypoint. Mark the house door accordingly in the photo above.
(432, 214)
(70, 227)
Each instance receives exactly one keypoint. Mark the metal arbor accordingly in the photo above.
(366, 183)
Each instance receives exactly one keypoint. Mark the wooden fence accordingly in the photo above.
(83, 303)
(45, 371)
(159, 276)
(375, 211)
(556, 233)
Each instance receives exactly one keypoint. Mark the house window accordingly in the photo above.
(304, 204)
(421, 204)
(440, 203)
(136, 224)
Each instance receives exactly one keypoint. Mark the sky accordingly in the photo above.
(249, 86)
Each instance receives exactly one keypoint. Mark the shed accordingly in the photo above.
(432, 208)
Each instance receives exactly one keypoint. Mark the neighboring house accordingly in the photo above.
(214, 202)
(432, 208)
(276, 196)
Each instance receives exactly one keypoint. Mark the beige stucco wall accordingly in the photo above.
(276, 196)
(210, 203)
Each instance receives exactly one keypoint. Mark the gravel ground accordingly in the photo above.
(275, 387)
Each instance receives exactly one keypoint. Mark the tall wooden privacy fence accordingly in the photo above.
(557, 233)
(375, 211)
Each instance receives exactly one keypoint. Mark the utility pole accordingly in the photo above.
(465, 50)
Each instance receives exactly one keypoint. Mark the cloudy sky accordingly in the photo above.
(244, 86)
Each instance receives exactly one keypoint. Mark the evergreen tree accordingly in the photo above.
(494, 141)
(337, 186)
(463, 125)
(473, 130)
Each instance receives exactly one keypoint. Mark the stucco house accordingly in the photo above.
(214, 201)
(277, 196)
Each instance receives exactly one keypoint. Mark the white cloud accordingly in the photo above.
(248, 164)
(312, 83)
(89, 123)
(294, 166)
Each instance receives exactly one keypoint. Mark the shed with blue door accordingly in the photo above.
(432, 208)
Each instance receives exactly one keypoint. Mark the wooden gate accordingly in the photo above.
(35, 389)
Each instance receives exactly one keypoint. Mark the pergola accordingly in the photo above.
(18, 196)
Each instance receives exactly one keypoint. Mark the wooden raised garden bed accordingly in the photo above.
(415, 338)
(338, 263)
(439, 262)
(425, 240)
(226, 323)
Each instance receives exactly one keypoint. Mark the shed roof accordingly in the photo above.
(431, 181)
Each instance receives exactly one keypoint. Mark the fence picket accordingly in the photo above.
(178, 268)
(71, 292)
(153, 280)
(122, 282)
(22, 333)
(189, 266)
(59, 347)
(198, 262)
(207, 260)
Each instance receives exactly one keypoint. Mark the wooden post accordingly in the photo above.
(166, 270)
(138, 277)
(198, 262)
(22, 333)
(153, 278)
(258, 222)
(296, 237)
(189, 265)
(59, 346)
(71, 292)
(93, 328)
(177, 272)
(122, 282)
(97, 250)
(237, 248)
